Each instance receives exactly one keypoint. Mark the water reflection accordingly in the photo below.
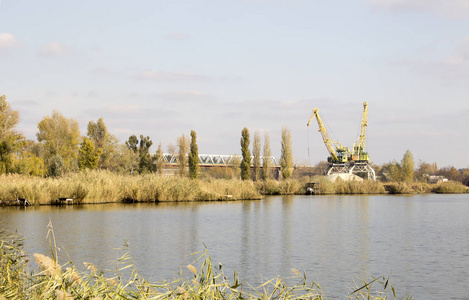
(421, 241)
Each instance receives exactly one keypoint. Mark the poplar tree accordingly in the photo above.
(267, 155)
(256, 151)
(246, 155)
(407, 168)
(182, 154)
(159, 159)
(286, 159)
(194, 157)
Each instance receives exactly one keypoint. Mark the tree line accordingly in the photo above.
(60, 148)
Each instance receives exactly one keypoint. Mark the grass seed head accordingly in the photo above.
(48, 265)
(91, 267)
(182, 291)
(112, 281)
(74, 276)
(61, 295)
(192, 269)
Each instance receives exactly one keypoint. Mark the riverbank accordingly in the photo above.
(106, 187)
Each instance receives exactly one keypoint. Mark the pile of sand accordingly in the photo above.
(344, 177)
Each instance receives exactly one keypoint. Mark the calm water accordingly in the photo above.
(421, 241)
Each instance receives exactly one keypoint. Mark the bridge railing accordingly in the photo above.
(218, 160)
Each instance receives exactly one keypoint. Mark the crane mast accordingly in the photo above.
(359, 153)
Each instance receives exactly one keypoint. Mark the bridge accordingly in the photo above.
(217, 160)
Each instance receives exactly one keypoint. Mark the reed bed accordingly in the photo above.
(325, 186)
(107, 187)
(66, 282)
(104, 187)
(282, 187)
(342, 187)
(450, 187)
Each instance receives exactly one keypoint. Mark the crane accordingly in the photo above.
(342, 154)
(341, 160)
(359, 153)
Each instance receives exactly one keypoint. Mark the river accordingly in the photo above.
(421, 241)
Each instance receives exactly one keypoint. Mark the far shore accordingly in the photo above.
(106, 187)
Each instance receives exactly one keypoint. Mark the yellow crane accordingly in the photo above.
(341, 161)
(359, 153)
(342, 154)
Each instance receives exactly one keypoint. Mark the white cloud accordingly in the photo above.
(171, 76)
(447, 8)
(8, 40)
(53, 49)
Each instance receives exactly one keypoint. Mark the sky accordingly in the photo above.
(164, 68)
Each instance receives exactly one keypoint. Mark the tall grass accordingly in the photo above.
(104, 186)
(282, 187)
(325, 186)
(450, 187)
(13, 266)
(55, 281)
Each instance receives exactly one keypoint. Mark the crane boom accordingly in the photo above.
(323, 131)
(359, 145)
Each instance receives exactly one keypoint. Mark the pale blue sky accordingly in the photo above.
(162, 68)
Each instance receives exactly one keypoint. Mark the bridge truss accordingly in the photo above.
(214, 160)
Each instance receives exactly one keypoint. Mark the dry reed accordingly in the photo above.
(48, 265)
(107, 187)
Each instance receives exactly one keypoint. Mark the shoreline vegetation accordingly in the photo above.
(99, 186)
(53, 279)
(65, 167)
